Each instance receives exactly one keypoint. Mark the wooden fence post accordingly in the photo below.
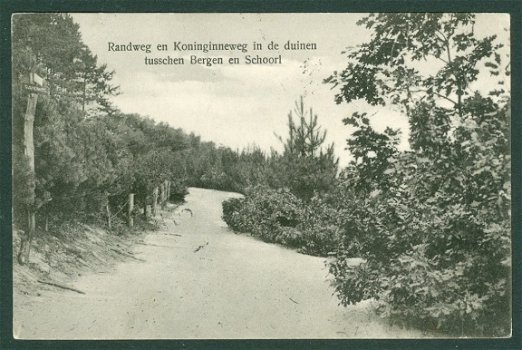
(145, 205)
(130, 219)
(154, 200)
(163, 194)
(46, 224)
(108, 212)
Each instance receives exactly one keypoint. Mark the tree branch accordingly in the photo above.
(438, 94)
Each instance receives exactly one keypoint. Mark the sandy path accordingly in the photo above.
(234, 286)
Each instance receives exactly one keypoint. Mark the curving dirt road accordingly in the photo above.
(197, 279)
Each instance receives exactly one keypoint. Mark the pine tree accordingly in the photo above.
(305, 166)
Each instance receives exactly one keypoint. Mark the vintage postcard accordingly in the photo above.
(261, 175)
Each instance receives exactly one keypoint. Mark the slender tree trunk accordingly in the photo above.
(84, 92)
(28, 146)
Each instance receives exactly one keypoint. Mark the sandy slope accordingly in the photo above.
(199, 280)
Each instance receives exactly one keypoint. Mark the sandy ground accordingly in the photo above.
(197, 279)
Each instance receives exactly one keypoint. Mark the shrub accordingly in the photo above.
(436, 259)
(279, 216)
(320, 227)
(265, 213)
(433, 222)
(230, 212)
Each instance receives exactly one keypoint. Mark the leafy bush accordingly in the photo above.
(435, 236)
(231, 208)
(433, 223)
(279, 216)
(266, 213)
(321, 227)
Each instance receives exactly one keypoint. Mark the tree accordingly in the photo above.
(53, 42)
(432, 223)
(305, 167)
(50, 46)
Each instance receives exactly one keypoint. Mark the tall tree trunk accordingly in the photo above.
(28, 146)
(84, 96)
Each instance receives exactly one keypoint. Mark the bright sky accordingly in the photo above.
(238, 105)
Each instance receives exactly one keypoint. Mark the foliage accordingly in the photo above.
(321, 227)
(279, 216)
(305, 167)
(286, 208)
(224, 169)
(69, 156)
(432, 223)
(266, 213)
(231, 209)
(87, 153)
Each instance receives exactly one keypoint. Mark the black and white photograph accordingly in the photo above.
(261, 175)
